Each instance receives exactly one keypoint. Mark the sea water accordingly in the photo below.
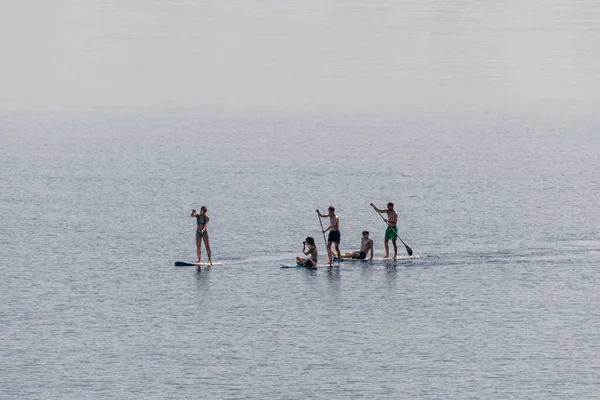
(477, 121)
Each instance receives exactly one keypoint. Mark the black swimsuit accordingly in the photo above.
(200, 223)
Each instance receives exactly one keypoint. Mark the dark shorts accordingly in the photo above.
(334, 236)
(362, 255)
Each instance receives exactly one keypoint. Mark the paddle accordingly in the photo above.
(325, 240)
(408, 249)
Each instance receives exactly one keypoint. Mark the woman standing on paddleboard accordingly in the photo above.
(202, 233)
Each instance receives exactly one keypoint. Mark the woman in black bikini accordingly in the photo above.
(202, 233)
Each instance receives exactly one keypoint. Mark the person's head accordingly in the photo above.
(365, 234)
(203, 209)
(390, 205)
(331, 209)
(310, 241)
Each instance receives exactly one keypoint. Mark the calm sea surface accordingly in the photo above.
(478, 121)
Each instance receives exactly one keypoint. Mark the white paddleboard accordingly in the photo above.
(376, 258)
(302, 266)
(191, 264)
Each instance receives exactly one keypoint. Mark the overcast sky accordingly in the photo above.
(309, 55)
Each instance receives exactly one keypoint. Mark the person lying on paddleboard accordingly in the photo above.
(309, 249)
(202, 233)
(366, 245)
(392, 230)
(334, 232)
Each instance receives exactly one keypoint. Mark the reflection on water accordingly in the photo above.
(202, 276)
(391, 273)
(333, 276)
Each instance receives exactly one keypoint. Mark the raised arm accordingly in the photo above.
(304, 249)
(377, 209)
(193, 213)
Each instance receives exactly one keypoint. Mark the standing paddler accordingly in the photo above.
(391, 231)
(334, 233)
(202, 233)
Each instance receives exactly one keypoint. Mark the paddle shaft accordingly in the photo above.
(325, 240)
(408, 249)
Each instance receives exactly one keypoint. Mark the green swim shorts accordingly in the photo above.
(391, 233)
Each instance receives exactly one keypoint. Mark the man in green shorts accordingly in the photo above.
(392, 230)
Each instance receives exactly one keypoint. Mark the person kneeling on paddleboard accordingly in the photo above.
(309, 249)
(366, 245)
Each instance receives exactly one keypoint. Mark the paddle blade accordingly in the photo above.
(408, 250)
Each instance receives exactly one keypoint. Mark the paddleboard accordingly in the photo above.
(374, 258)
(190, 264)
(335, 258)
(296, 266)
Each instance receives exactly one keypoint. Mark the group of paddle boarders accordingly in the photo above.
(366, 244)
(309, 246)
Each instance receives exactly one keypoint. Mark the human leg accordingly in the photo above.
(199, 247)
(309, 263)
(207, 245)
(392, 233)
(300, 260)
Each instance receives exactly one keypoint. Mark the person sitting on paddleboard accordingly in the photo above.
(366, 245)
(311, 252)
(334, 232)
(202, 233)
(392, 230)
